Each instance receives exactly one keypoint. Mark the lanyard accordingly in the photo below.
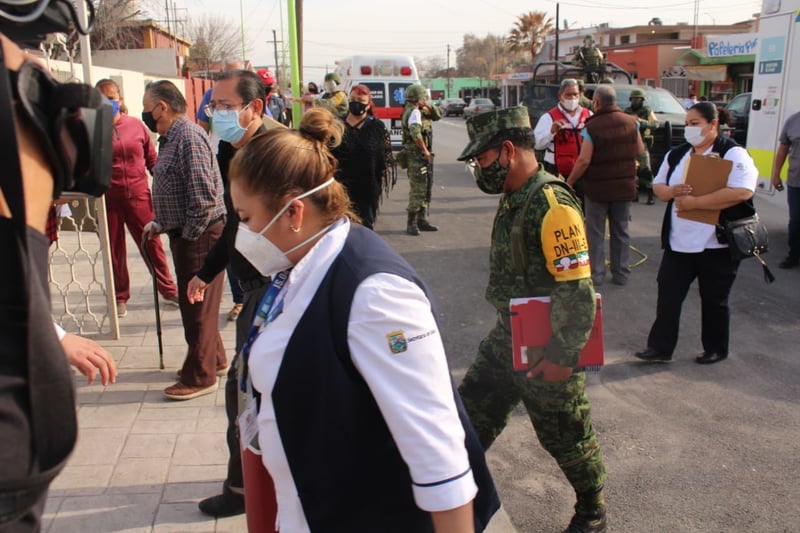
(268, 310)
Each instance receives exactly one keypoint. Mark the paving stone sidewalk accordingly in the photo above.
(142, 463)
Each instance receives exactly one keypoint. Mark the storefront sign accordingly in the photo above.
(731, 45)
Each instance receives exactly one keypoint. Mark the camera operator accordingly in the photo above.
(18, 459)
(53, 137)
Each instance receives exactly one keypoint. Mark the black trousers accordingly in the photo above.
(250, 305)
(715, 271)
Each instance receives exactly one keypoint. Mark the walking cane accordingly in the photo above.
(152, 270)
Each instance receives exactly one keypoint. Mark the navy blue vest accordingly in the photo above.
(349, 474)
(741, 210)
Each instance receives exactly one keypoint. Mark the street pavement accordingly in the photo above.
(689, 448)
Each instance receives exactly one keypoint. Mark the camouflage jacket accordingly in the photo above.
(590, 57)
(644, 114)
(572, 305)
(415, 131)
(337, 103)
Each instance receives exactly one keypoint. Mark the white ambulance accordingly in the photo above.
(776, 82)
(387, 77)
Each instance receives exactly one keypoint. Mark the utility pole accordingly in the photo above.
(298, 7)
(279, 79)
(275, 42)
(166, 8)
(241, 22)
(447, 90)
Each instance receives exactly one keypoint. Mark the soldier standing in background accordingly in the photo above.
(334, 99)
(417, 140)
(501, 151)
(591, 59)
(647, 123)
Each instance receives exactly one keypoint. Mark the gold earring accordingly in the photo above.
(294, 229)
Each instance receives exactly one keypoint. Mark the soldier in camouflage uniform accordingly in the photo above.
(647, 123)
(590, 59)
(334, 100)
(417, 135)
(502, 154)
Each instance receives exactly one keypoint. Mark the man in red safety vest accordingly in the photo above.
(558, 132)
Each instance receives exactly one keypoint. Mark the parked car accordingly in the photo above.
(477, 106)
(452, 106)
(739, 109)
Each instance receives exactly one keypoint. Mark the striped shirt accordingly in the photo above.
(187, 187)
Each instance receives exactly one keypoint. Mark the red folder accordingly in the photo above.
(530, 329)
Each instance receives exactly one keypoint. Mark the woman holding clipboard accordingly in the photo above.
(689, 238)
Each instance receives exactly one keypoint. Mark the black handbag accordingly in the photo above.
(746, 236)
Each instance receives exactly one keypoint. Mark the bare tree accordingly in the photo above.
(431, 66)
(114, 26)
(529, 32)
(483, 57)
(214, 40)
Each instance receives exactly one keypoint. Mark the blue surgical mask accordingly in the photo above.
(225, 123)
(115, 106)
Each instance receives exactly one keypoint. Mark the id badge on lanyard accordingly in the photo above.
(269, 308)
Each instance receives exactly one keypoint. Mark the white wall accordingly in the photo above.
(158, 61)
(131, 83)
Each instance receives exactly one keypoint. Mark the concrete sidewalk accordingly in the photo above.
(143, 462)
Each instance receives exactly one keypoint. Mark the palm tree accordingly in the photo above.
(529, 32)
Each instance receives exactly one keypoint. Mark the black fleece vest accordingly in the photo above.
(349, 473)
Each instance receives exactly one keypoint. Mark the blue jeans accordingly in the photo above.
(793, 197)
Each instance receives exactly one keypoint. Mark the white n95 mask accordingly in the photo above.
(262, 253)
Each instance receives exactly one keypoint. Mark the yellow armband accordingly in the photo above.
(564, 243)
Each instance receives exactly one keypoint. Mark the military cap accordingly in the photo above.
(415, 93)
(333, 76)
(482, 128)
(637, 93)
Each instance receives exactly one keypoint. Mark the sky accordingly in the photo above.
(337, 28)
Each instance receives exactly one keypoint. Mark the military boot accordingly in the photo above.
(590, 513)
(424, 225)
(411, 225)
(650, 198)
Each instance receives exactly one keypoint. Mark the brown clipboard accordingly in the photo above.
(706, 174)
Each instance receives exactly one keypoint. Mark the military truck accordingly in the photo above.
(541, 94)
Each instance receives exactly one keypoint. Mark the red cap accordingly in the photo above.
(266, 76)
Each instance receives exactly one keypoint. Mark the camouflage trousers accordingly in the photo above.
(644, 172)
(417, 182)
(559, 412)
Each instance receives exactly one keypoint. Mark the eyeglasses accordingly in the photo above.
(210, 109)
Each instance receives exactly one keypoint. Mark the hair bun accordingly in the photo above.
(320, 125)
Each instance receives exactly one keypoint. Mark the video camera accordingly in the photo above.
(72, 121)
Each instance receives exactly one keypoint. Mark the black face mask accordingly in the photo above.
(636, 104)
(150, 121)
(358, 108)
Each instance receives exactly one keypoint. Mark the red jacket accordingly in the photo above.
(134, 154)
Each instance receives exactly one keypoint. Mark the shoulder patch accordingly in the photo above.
(397, 341)
(564, 243)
